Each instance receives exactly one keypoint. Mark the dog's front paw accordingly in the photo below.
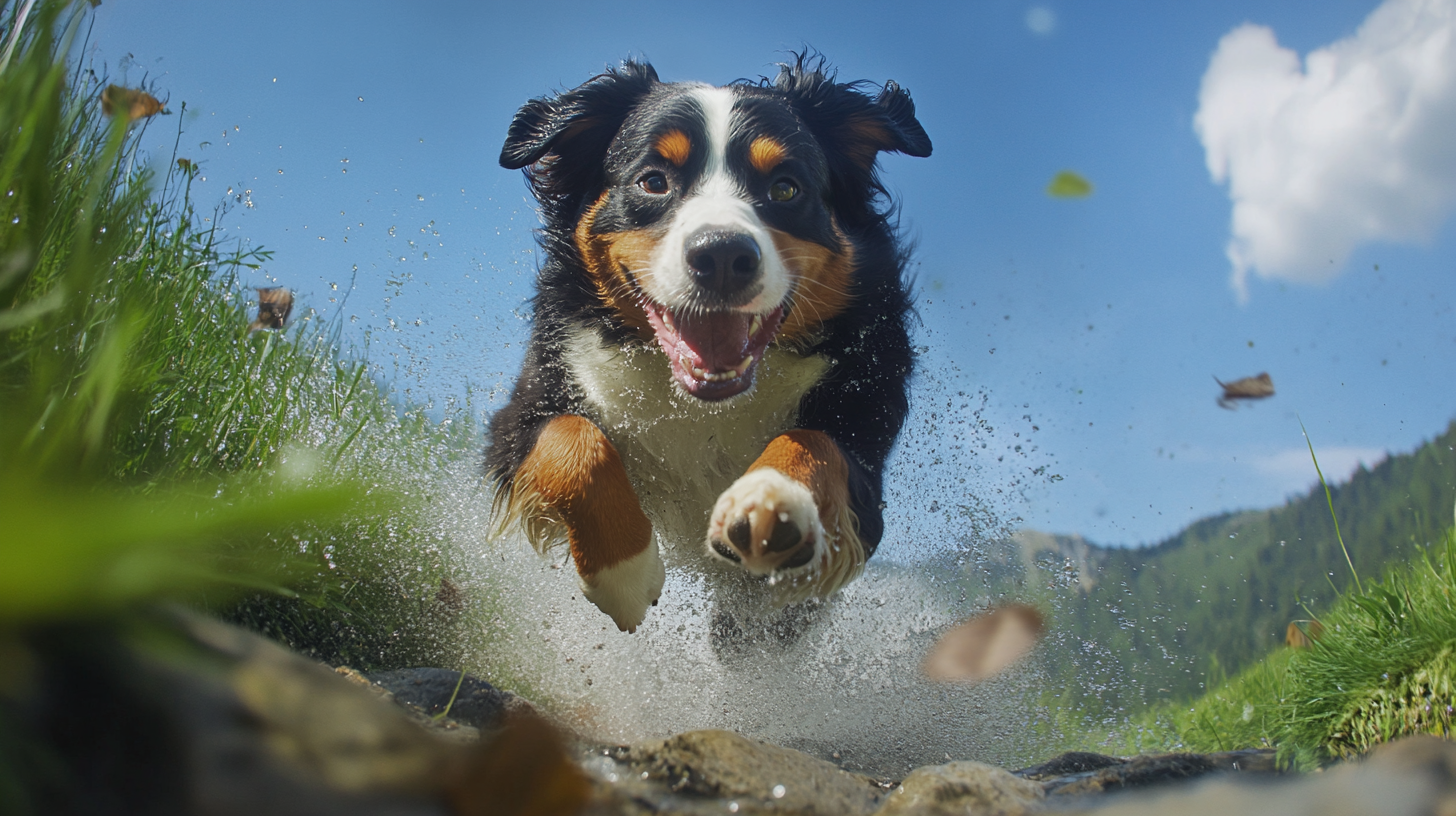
(625, 590)
(767, 522)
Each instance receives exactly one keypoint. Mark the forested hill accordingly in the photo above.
(1219, 595)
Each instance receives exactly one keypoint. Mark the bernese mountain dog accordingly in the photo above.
(719, 348)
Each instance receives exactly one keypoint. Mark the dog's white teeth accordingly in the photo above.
(715, 376)
(755, 325)
(667, 321)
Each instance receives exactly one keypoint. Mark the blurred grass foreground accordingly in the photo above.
(155, 445)
(160, 444)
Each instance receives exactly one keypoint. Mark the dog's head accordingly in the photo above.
(717, 220)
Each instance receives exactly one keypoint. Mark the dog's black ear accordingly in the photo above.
(909, 137)
(580, 122)
(847, 121)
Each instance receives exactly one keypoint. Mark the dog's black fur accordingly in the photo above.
(575, 145)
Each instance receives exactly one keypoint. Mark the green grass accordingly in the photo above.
(1385, 667)
(152, 448)
(150, 444)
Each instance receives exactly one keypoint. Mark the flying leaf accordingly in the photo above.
(985, 645)
(1249, 388)
(274, 305)
(1300, 637)
(1067, 184)
(524, 771)
(130, 102)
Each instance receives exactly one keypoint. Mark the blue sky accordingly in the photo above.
(1087, 331)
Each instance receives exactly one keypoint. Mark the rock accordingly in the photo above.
(178, 714)
(174, 713)
(1072, 762)
(478, 703)
(1154, 769)
(1411, 777)
(750, 776)
(958, 788)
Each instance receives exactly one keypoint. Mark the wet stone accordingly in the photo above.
(1150, 770)
(1072, 762)
(477, 704)
(1411, 777)
(958, 788)
(221, 722)
(733, 771)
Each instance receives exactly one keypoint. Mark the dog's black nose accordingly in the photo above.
(722, 261)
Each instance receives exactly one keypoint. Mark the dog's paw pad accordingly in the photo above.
(766, 522)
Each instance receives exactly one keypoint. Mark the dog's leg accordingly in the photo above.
(791, 513)
(574, 473)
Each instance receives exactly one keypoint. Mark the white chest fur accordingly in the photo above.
(680, 452)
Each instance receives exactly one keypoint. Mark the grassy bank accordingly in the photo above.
(149, 441)
(1383, 666)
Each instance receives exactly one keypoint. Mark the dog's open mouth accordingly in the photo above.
(713, 354)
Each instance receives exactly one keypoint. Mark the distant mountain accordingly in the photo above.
(1158, 622)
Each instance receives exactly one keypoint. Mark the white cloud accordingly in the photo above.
(1041, 20)
(1292, 469)
(1357, 144)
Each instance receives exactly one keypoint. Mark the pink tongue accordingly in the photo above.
(718, 339)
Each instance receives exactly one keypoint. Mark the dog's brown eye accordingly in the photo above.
(782, 190)
(654, 183)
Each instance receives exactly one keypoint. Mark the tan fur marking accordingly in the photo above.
(822, 287)
(675, 146)
(765, 154)
(607, 256)
(573, 476)
(812, 459)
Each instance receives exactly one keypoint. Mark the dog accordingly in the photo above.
(719, 340)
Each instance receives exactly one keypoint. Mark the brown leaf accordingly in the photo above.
(1300, 637)
(130, 102)
(525, 771)
(274, 305)
(1248, 388)
(985, 645)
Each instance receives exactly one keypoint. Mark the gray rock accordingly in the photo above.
(1072, 762)
(1145, 771)
(962, 788)
(752, 776)
(478, 703)
(178, 714)
(1411, 777)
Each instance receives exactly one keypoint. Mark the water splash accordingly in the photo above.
(847, 689)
